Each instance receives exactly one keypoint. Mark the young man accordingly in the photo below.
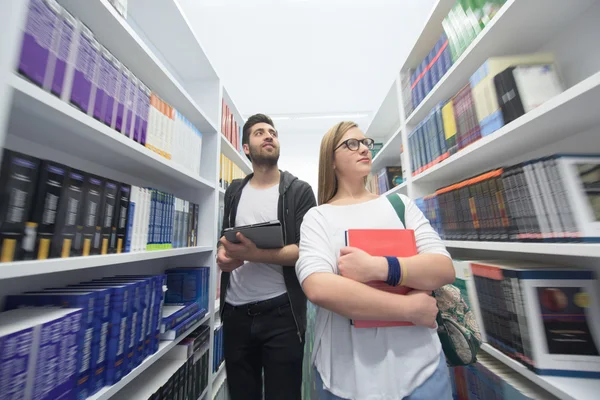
(264, 307)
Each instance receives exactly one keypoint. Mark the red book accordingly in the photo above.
(380, 243)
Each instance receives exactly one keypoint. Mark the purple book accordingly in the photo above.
(110, 88)
(142, 114)
(85, 69)
(101, 82)
(120, 116)
(61, 52)
(40, 29)
(131, 106)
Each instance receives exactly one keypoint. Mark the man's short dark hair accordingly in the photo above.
(253, 120)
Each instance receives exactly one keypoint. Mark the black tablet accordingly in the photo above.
(265, 235)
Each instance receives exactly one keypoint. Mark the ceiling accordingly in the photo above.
(307, 63)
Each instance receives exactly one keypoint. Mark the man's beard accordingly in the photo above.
(260, 157)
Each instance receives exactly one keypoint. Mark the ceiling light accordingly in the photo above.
(299, 117)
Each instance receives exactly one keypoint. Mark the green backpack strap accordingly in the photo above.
(398, 205)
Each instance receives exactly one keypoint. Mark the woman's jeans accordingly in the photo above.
(437, 386)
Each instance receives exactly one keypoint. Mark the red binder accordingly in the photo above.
(383, 242)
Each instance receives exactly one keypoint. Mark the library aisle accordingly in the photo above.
(119, 138)
(491, 127)
(115, 159)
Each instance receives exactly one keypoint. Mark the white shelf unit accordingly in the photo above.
(218, 379)
(157, 43)
(567, 123)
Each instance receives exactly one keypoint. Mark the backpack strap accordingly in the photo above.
(398, 205)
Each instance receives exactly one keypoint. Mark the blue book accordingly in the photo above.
(180, 329)
(134, 357)
(101, 324)
(143, 308)
(187, 284)
(174, 314)
(119, 328)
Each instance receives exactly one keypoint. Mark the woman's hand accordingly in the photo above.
(358, 265)
(423, 308)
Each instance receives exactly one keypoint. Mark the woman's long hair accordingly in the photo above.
(327, 180)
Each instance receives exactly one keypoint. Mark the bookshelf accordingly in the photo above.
(565, 123)
(157, 44)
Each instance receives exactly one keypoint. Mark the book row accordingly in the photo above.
(554, 198)
(123, 319)
(118, 328)
(490, 379)
(191, 379)
(388, 178)
(228, 172)
(218, 353)
(230, 127)
(50, 210)
(544, 316)
(120, 6)
(61, 55)
(500, 91)
(464, 22)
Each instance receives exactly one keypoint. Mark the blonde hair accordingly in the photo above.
(327, 187)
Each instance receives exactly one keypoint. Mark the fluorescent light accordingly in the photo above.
(317, 116)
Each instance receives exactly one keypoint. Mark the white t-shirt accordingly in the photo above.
(366, 363)
(256, 281)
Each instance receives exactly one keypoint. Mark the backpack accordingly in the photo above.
(457, 327)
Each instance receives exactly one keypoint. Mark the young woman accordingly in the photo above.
(369, 363)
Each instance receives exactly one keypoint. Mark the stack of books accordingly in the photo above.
(550, 199)
(490, 379)
(67, 60)
(218, 353)
(545, 317)
(460, 27)
(228, 172)
(230, 127)
(186, 300)
(50, 210)
(500, 91)
(119, 328)
(388, 178)
(191, 379)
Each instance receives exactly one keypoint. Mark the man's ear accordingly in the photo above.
(246, 149)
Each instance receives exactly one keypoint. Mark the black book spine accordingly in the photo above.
(69, 211)
(45, 211)
(18, 180)
(122, 216)
(108, 215)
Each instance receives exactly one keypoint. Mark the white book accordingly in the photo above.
(580, 175)
(135, 198)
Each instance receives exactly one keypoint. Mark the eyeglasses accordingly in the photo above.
(354, 144)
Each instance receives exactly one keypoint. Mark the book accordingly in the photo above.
(383, 242)
(57, 66)
(43, 20)
(543, 316)
(18, 180)
(82, 75)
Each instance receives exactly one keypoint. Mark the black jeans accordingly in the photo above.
(263, 336)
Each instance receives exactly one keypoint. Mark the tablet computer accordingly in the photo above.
(265, 235)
